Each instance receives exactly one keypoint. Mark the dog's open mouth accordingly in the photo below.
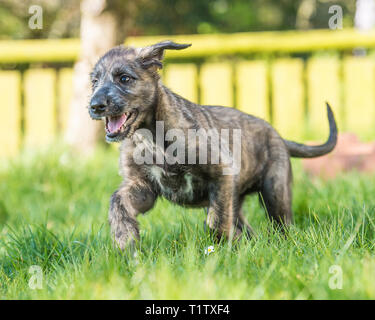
(114, 125)
(117, 124)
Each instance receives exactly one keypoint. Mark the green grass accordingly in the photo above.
(53, 213)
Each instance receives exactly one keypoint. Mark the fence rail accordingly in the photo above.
(66, 50)
(28, 51)
(287, 91)
(263, 42)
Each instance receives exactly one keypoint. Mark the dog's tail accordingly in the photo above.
(303, 151)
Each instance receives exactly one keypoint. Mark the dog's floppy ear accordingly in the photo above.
(153, 55)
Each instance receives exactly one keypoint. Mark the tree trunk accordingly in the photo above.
(365, 15)
(98, 30)
(364, 20)
(305, 10)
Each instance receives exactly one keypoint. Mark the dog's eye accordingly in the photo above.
(94, 82)
(124, 79)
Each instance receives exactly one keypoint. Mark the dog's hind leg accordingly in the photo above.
(276, 192)
(126, 203)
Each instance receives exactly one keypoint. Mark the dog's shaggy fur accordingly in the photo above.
(129, 95)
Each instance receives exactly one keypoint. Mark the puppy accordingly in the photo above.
(192, 155)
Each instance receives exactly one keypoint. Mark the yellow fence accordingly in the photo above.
(284, 77)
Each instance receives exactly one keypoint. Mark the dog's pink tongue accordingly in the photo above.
(115, 123)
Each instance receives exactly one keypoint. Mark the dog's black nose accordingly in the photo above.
(98, 104)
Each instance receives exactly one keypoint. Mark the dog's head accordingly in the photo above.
(124, 86)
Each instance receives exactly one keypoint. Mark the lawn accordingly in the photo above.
(53, 215)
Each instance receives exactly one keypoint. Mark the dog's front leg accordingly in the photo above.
(126, 203)
(224, 207)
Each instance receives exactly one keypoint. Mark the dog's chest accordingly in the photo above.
(179, 187)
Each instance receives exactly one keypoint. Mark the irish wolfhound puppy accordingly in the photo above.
(137, 108)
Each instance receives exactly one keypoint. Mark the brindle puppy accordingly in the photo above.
(129, 95)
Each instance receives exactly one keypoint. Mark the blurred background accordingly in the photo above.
(277, 59)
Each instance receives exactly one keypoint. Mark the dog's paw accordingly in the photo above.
(125, 238)
(124, 244)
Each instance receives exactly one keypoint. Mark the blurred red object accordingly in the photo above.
(350, 154)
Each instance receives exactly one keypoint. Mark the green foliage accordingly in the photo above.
(61, 18)
(57, 206)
